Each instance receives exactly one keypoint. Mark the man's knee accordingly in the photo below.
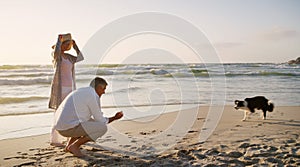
(97, 132)
(103, 130)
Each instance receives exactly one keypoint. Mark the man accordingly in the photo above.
(79, 116)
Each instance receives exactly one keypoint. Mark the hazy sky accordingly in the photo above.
(240, 30)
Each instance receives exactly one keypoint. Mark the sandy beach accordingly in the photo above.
(255, 142)
(173, 71)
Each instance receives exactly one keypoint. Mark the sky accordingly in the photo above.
(240, 31)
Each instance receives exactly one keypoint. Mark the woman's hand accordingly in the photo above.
(60, 38)
(75, 46)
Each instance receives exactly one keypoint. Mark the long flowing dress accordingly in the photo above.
(63, 82)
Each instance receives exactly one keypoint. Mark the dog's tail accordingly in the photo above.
(270, 106)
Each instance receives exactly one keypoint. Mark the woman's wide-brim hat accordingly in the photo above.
(65, 37)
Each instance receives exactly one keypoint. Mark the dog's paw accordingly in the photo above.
(243, 120)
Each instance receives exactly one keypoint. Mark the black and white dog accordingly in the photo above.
(250, 104)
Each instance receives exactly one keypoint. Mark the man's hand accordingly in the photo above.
(119, 115)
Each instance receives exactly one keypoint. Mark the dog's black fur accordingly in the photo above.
(258, 102)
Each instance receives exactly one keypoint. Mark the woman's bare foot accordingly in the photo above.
(75, 150)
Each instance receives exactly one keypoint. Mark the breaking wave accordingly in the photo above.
(9, 100)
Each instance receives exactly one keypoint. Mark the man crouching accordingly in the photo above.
(80, 117)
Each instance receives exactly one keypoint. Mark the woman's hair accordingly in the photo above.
(98, 81)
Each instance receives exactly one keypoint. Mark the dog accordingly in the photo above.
(250, 104)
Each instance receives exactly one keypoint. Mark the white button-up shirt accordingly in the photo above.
(81, 105)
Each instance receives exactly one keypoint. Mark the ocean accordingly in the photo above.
(145, 89)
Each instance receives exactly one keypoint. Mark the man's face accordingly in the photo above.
(100, 90)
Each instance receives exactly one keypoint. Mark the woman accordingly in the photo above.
(64, 77)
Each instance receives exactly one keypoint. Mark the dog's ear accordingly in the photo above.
(236, 101)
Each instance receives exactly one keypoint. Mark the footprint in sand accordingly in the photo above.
(28, 163)
(15, 157)
(133, 141)
(133, 148)
(148, 133)
(192, 131)
(296, 136)
(291, 141)
(126, 146)
(143, 133)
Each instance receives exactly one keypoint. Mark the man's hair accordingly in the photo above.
(98, 81)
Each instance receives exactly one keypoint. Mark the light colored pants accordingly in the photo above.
(92, 129)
